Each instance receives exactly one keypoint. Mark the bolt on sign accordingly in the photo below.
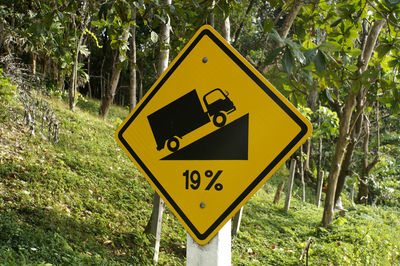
(209, 133)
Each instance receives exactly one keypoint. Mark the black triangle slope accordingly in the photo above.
(227, 143)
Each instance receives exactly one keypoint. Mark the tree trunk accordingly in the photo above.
(312, 103)
(319, 163)
(140, 96)
(355, 134)
(278, 193)
(132, 65)
(155, 221)
(287, 24)
(340, 150)
(320, 184)
(290, 184)
(238, 31)
(78, 43)
(226, 29)
(303, 184)
(363, 188)
(211, 16)
(72, 88)
(33, 63)
(46, 66)
(344, 127)
(109, 94)
(89, 87)
(226, 33)
(363, 192)
(61, 80)
(163, 60)
(344, 170)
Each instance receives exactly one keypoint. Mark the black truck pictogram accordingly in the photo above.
(186, 114)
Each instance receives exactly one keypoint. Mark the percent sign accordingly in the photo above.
(193, 179)
(217, 186)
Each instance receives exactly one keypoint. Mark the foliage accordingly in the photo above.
(8, 92)
(60, 204)
(329, 124)
(384, 179)
(274, 238)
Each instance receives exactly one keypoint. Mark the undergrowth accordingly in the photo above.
(81, 201)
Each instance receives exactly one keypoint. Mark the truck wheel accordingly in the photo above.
(219, 119)
(173, 144)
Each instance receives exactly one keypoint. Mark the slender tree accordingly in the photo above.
(119, 44)
(79, 31)
(132, 63)
(345, 124)
(155, 222)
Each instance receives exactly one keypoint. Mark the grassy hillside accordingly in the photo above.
(81, 201)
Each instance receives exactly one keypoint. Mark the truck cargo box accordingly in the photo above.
(178, 118)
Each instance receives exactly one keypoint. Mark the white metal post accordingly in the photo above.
(217, 252)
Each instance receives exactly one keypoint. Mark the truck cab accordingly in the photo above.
(217, 104)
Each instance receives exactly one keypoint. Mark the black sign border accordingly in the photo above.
(278, 158)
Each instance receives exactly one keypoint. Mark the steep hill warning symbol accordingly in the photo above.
(184, 115)
(209, 133)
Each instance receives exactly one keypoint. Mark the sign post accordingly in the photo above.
(209, 133)
(217, 252)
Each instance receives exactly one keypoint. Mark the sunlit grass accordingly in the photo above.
(81, 201)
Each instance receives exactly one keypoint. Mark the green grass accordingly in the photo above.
(81, 201)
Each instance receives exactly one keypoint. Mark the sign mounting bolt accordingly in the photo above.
(202, 205)
(205, 59)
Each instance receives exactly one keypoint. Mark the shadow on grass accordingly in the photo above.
(46, 235)
(91, 106)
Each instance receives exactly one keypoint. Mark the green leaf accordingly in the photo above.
(268, 24)
(354, 52)
(352, 68)
(320, 61)
(310, 54)
(275, 36)
(383, 49)
(329, 96)
(154, 37)
(31, 14)
(84, 50)
(393, 63)
(288, 61)
(353, 34)
(272, 55)
(293, 99)
(307, 76)
(291, 43)
(98, 23)
(393, 2)
(334, 24)
(160, 18)
(299, 55)
(330, 47)
(308, 44)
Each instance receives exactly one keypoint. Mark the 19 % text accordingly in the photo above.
(193, 179)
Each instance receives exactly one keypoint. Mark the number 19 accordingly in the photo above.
(193, 178)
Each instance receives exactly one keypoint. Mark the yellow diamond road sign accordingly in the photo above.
(210, 132)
